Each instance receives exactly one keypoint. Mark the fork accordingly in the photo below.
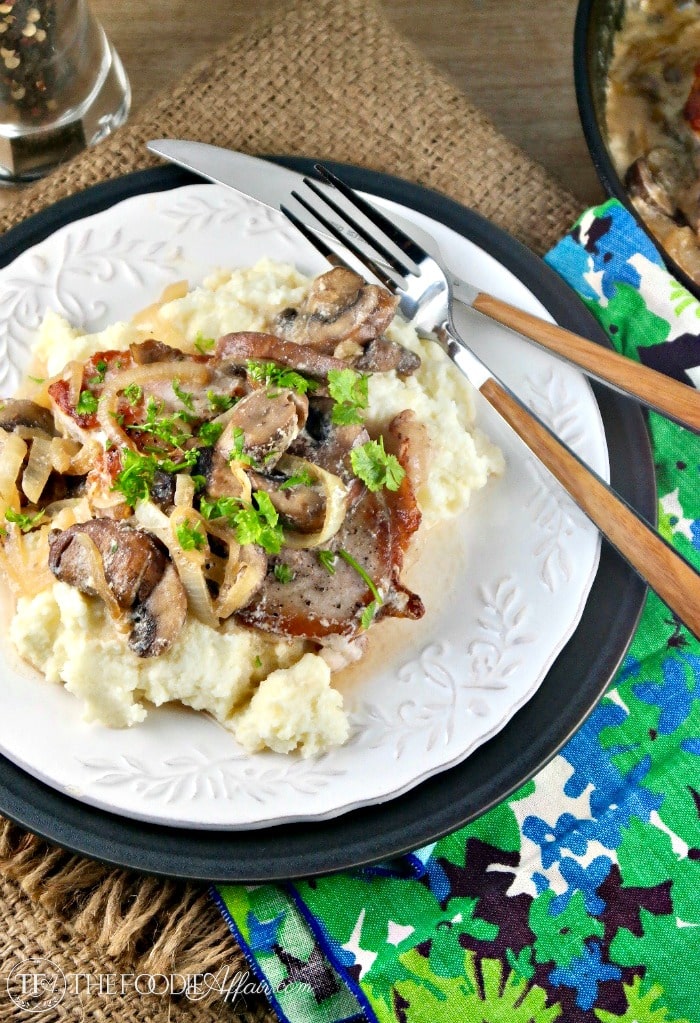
(425, 300)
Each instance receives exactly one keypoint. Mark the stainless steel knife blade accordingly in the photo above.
(270, 184)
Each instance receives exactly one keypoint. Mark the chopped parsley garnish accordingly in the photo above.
(133, 393)
(190, 537)
(39, 380)
(300, 479)
(220, 402)
(188, 459)
(258, 661)
(99, 377)
(204, 344)
(200, 482)
(349, 391)
(375, 467)
(283, 573)
(135, 480)
(257, 522)
(186, 397)
(237, 452)
(164, 428)
(24, 521)
(86, 404)
(367, 616)
(328, 559)
(221, 508)
(363, 574)
(270, 374)
(209, 433)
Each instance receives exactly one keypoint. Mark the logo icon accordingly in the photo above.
(36, 985)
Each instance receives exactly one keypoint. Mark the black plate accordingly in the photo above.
(573, 686)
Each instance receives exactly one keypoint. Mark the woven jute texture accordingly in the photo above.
(327, 79)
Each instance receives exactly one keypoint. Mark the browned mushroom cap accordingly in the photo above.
(301, 508)
(269, 419)
(383, 355)
(340, 307)
(138, 573)
(147, 352)
(15, 412)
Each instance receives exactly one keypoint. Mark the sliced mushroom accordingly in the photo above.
(151, 351)
(140, 578)
(301, 508)
(326, 444)
(270, 421)
(339, 308)
(16, 412)
(237, 349)
(383, 355)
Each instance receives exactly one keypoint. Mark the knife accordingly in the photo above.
(271, 185)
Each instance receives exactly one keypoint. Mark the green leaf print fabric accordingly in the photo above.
(578, 898)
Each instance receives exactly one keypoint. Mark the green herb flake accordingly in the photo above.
(220, 402)
(24, 521)
(283, 573)
(133, 393)
(363, 574)
(259, 523)
(258, 661)
(37, 380)
(190, 537)
(186, 397)
(237, 451)
(349, 390)
(200, 482)
(375, 467)
(162, 428)
(270, 374)
(204, 345)
(135, 480)
(209, 433)
(87, 404)
(328, 559)
(99, 377)
(188, 459)
(221, 508)
(367, 616)
(299, 479)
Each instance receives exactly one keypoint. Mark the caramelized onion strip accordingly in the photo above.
(335, 493)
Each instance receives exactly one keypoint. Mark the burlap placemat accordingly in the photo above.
(326, 79)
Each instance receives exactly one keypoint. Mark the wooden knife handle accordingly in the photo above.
(673, 578)
(670, 397)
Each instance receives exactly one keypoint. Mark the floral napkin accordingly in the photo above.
(577, 898)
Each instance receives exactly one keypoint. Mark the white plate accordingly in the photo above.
(504, 585)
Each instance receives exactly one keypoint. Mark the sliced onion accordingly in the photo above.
(98, 580)
(336, 495)
(13, 451)
(190, 567)
(85, 458)
(25, 560)
(38, 469)
(184, 490)
(63, 451)
(244, 574)
(67, 512)
(73, 373)
(152, 373)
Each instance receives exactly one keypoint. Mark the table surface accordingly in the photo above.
(485, 46)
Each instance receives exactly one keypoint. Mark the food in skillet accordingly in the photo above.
(653, 121)
(214, 503)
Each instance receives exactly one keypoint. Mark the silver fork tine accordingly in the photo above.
(379, 272)
(326, 251)
(382, 251)
(414, 252)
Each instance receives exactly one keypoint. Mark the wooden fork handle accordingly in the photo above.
(670, 397)
(673, 578)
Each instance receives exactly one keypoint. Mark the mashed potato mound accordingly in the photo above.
(272, 693)
(295, 709)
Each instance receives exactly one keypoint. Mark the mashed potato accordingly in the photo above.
(271, 694)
